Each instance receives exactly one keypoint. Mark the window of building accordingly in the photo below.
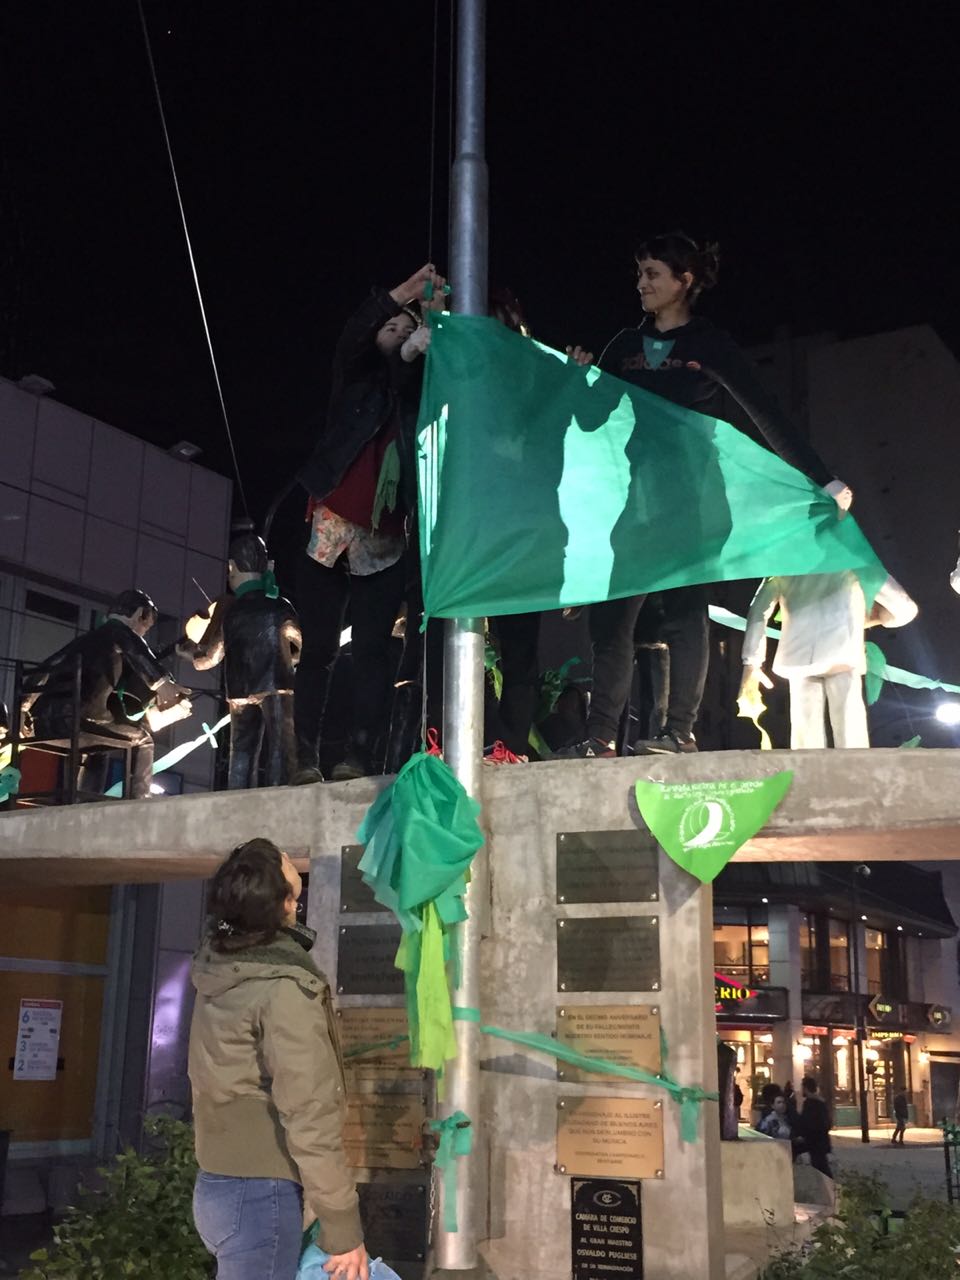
(839, 947)
(886, 966)
(809, 968)
(741, 945)
(754, 1062)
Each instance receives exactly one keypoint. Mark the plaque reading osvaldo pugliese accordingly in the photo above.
(627, 1034)
(606, 1229)
(609, 1137)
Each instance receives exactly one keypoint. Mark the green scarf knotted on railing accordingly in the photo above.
(421, 834)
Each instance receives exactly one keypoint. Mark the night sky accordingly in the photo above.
(814, 143)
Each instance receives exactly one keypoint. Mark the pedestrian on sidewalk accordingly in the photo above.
(901, 1115)
(814, 1126)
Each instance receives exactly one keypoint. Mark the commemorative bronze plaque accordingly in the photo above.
(365, 959)
(608, 953)
(607, 866)
(606, 1229)
(355, 894)
(365, 1027)
(610, 1137)
(394, 1217)
(628, 1034)
(384, 1130)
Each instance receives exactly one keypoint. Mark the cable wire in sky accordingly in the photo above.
(193, 264)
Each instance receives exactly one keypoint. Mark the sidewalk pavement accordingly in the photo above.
(914, 1137)
(916, 1167)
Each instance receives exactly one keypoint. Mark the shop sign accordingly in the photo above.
(729, 991)
(880, 1008)
(734, 1000)
(939, 1016)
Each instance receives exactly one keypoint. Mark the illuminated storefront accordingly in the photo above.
(792, 941)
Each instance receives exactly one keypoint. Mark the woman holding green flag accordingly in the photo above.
(689, 361)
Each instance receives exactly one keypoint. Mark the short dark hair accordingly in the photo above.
(127, 603)
(681, 253)
(249, 553)
(809, 1083)
(248, 896)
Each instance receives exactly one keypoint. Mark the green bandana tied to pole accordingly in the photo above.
(593, 489)
(421, 834)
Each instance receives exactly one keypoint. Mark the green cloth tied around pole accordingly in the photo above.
(456, 1139)
(688, 1097)
(594, 489)
(421, 835)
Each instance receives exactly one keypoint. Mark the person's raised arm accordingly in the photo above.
(727, 364)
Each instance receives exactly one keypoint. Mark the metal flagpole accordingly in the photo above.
(463, 644)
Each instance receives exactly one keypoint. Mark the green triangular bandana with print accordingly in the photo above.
(701, 825)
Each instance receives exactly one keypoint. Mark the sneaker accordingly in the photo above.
(357, 763)
(305, 775)
(591, 749)
(500, 753)
(665, 744)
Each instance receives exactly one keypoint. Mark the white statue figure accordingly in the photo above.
(821, 650)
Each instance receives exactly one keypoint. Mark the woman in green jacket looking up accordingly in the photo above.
(267, 1078)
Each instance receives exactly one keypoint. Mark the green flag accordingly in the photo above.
(701, 825)
(544, 484)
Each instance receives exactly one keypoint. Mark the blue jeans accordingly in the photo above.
(252, 1226)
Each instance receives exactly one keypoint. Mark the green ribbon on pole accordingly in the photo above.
(420, 836)
(688, 1097)
(456, 1139)
(373, 1046)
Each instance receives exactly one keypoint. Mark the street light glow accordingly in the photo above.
(949, 713)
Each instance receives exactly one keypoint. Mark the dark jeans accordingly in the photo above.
(252, 1226)
(899, 1130)
(685, 631)
(518, 635)
(322, 596)
(251, 724)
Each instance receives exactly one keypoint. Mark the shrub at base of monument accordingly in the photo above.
(867, 1240)
(140, 1224)
(701, 825)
